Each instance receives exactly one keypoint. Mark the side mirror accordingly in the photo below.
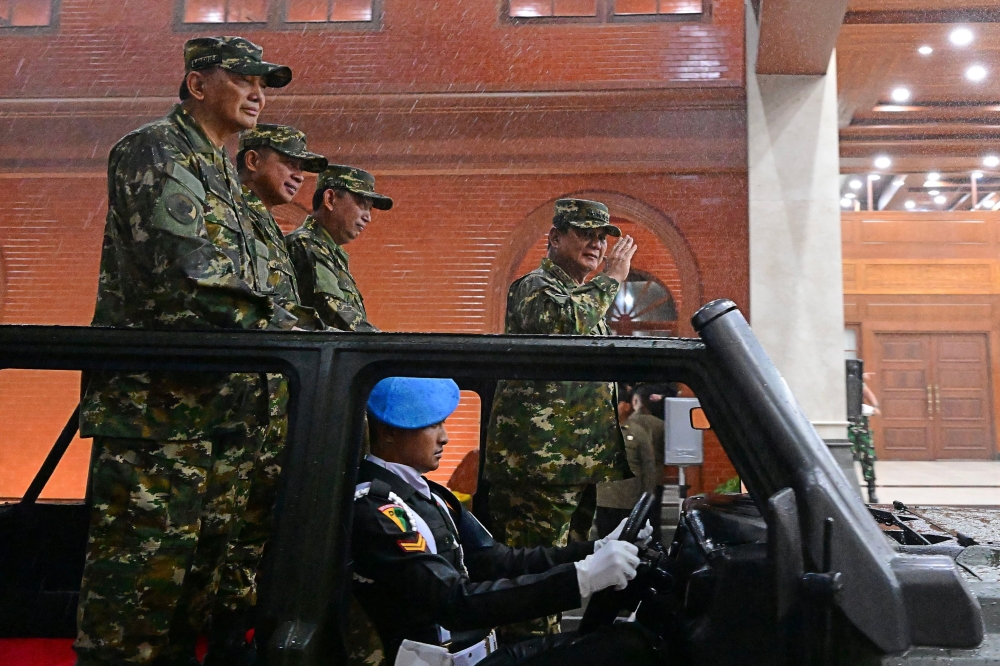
(698, 419)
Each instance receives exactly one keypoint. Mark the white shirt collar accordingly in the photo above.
(406, 473)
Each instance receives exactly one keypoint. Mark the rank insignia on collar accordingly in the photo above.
(396, 514)
(418, 546)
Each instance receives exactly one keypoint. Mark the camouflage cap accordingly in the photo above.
(355, 180)
(235, 54)
(584, 214)
(287, 141)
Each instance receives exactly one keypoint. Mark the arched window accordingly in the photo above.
(643, 307)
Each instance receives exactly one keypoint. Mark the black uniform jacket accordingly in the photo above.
(408, 591)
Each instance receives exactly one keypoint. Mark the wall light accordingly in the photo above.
(976, 73)
(961, 37)
(900, 94)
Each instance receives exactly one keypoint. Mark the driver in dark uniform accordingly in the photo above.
(433, 580)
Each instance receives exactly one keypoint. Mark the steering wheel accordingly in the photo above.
(605, 604)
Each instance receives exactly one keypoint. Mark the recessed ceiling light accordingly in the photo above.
(900, 94)
(882, 162)
(910, 204)
(925, 50)
(961, 37)
(940, 199)
(899, 182)
(855, 184)
(933, 175)
(846, 203)
(850, 195)
(873, 176)
(934, 193)
(976, 73)
(976, 175)
(991, 161)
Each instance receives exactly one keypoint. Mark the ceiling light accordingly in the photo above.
(976, 175)
(900, 94)
(934, 193)
(925, 50)
(899, 182)
(976, 73)
(961, 37)
(933, 175)
(873, 176)
(882, 162)
(846, 203)
(991, 161)
(940, 199)
(850, 195)
(910, 204)
(855, 184)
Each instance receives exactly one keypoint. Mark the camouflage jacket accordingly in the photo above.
(280, 286)
(325, 281)
(549, 431)
(179, 252)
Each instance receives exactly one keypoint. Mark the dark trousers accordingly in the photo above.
(625, 643)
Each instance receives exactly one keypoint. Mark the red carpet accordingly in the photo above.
(48, 651)
(37, 652)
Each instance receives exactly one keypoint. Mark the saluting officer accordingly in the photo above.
(270, 163)
(433, 580)
(342, 207)
(174, 450)
(548, 442)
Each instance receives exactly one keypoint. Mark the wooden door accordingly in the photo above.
(935, 397)
(963, 413)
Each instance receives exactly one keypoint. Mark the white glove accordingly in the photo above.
(644, 534)
(614, 564)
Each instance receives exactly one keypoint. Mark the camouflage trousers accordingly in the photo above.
(862, 447)
(525, 516)
(237, 584)
(164, 515)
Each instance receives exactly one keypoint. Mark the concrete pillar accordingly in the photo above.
(796, 283)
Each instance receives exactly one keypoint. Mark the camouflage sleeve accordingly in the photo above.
(336, 312)
(552, 309)
(161, 204)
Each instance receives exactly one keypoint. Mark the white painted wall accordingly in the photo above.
(796, 286)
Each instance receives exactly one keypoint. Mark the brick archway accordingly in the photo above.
(536, 224)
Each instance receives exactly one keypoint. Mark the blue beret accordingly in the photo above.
(413, 402)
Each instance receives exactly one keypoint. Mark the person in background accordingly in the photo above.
(644, 445)
(860, 433)
(270, 164)
(342, 208)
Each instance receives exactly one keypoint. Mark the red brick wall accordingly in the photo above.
(108, 48)
(465, 168)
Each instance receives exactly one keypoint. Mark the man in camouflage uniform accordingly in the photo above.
(341, 210)
(270, 164)
(174, 450)
(548, 442)
(860, 433)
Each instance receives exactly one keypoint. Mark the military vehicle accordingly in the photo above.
(795, 571)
